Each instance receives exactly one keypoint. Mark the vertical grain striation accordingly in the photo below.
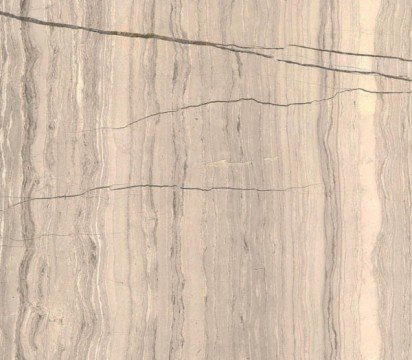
(392, 257)
(328, 128)
(28, 318)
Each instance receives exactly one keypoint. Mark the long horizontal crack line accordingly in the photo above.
(155, 186)
(234, 101)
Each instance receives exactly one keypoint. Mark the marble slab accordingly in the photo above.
(188, 179)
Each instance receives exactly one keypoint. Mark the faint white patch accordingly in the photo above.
(275, 158)
(225, 163)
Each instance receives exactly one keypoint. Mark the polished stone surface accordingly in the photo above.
(188, 179)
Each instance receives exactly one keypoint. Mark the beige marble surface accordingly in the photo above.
(188, 179)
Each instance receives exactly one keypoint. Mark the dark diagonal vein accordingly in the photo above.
(374, 73)
(351, 53)
(148, 36)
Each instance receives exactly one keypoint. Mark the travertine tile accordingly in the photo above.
(205, 180)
